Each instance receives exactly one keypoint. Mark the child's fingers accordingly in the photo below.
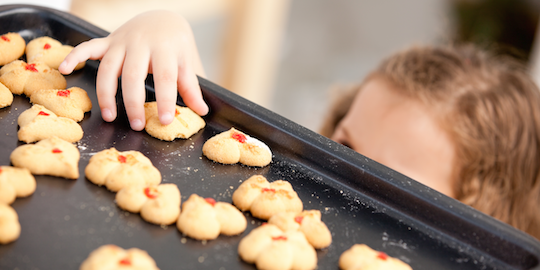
(190, 91)
(107, 82)
(134, 75)
(92, 49)
(165, 71)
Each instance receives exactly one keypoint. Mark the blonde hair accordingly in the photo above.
(490, 107)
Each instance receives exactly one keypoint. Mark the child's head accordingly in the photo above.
(457, 119)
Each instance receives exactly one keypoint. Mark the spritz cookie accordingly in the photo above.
(264, 199)
(361, 256)
(71, 103)
(38, 123)
(52, 156)
(206, 219)
(10, 228)
(233, 146)
(26, 78)
(157, 204)
(115, 258)
(6, 97)
(117, 170)
(12, 47)
(15, 183)
(184, 125)
(308, 222)
(50, 51)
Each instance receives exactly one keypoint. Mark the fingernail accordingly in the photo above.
(166, 118)
(106, 114)
(136, 124)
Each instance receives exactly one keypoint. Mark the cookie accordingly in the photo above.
(233, 146)
(117, 170)
(10, 228)
(113, 257)
(206, 219)
(23, 78)
(270, 248)
(157, 204)
(184, 125)
(308, 222)
(15, 182)
(71, 103)
(12, 47)
(264, 199)
(50, 51)
(6, 97)
(52, 156)
(361, 256)
(38, 123)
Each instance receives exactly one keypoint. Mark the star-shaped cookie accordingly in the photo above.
(157, 204)
(268, 247)
(264, 199)
(71, 103)
(23, 78)
(50, 51)
(206, 219)
(117, 170)
(38, 123)
(15, 182)
(52, 156)
(233, 146)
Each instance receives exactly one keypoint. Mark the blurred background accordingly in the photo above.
(288, 55)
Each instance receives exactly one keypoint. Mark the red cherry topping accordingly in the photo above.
(382, 256)
(5, 38)
(63, 93)
(125, 261)
(43, 113)
(47, 46)
(56, 151)
(31, 67)
(176, 112)
(122, 159)
(239, 137)
(299, 219)
(0, 169)
(268, 190)
(210, 201)
(151, 193)
(281, 237)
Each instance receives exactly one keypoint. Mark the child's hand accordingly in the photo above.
(158, 42)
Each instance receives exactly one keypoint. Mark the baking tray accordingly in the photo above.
(361, 201)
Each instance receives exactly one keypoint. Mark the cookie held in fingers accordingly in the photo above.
(50, 51)
(233, 146)
(117, 170)
(268, 247)
(361, 256)
(10, 228)
(264, 199)
(52, 156)
(184, 125)
(157, 204)
(71, 103)
(114, 257)
(307, 222)
(6, 97)
(38, 123)
(26, 78)
(206, 219)
(15, 183)
(12, 47)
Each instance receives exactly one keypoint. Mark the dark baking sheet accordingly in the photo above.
(361, 201)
